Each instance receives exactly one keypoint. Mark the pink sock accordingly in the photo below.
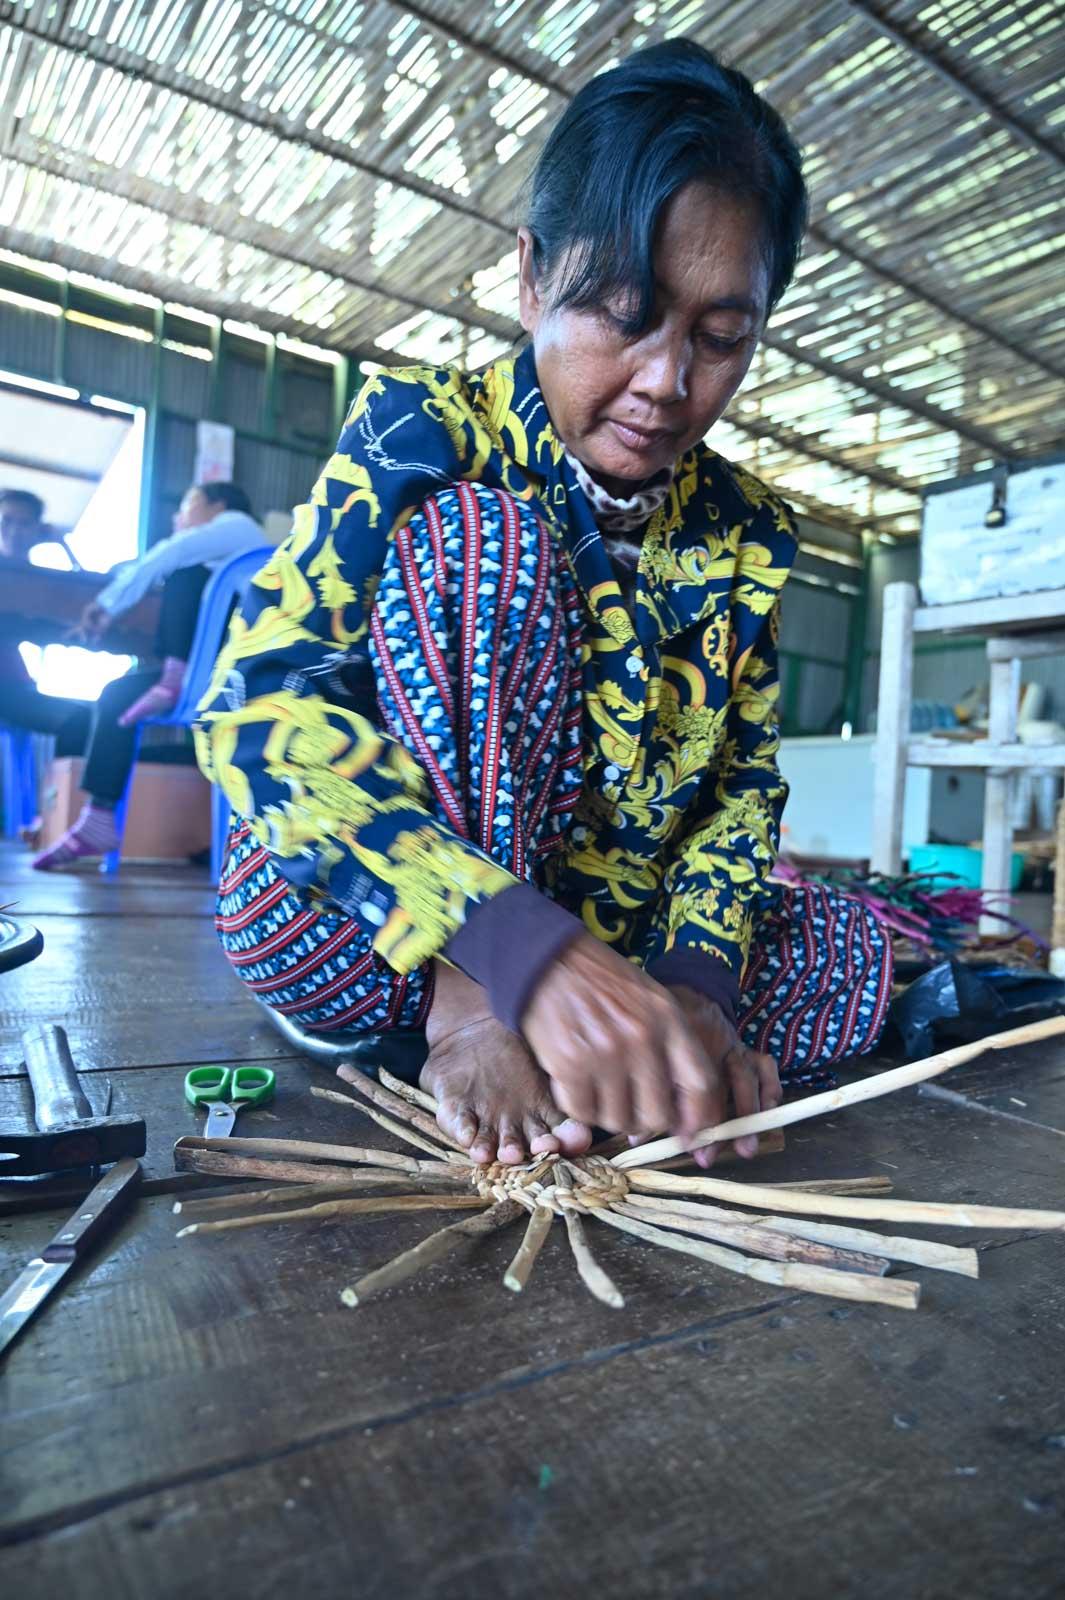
(94, 834)
(160, 698)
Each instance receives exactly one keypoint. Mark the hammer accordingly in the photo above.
(68, 1132)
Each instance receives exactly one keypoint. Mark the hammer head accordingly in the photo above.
(86, 1142)
(68, 1133)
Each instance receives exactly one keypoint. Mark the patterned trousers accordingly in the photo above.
(476, 680)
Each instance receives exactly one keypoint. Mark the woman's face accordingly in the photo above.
(627, 407)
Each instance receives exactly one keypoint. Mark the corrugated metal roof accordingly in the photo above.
(350, 170)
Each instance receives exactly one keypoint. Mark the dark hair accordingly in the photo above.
(23, 497)
(667, 116)
(230, 495)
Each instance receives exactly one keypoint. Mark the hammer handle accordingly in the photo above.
(57, 1095)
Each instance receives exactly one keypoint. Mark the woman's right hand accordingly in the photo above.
(617, 1046)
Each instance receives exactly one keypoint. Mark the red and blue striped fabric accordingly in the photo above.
(475, 656)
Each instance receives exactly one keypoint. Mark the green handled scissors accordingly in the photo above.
(225, 1091)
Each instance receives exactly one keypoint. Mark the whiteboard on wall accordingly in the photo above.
(963, 559)
(829, 813)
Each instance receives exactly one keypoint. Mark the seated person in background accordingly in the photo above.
(213, 524)
(22, 528)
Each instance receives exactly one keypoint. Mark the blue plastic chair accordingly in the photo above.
(18, 766)
(224, 586)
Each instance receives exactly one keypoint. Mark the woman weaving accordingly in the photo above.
(498, 723)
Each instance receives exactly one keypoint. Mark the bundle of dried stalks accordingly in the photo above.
(625, 1189)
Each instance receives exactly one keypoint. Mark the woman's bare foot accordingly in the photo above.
(491, 1095)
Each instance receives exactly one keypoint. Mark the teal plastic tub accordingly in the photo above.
(960, 865)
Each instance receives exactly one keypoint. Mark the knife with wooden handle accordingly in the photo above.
(99, 1211)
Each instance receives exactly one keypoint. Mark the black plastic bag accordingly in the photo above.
(980, 996)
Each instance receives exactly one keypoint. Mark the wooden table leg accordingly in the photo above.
(893, 725)
(998, 795)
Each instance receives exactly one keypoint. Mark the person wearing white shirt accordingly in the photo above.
(213, 524)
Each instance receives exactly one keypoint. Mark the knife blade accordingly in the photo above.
(100, 1209)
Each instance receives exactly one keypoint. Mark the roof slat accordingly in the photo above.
(352, 170)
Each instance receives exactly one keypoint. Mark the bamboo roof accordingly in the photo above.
(349, 172)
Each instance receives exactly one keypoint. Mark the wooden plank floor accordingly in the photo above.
(205, 1416)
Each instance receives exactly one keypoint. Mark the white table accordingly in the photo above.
(1017, 628)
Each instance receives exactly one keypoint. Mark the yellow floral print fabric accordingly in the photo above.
(677, 826)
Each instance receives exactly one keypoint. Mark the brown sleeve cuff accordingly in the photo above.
(506, 945)
(696, 969)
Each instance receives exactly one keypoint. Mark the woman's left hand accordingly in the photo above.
(747, 1078)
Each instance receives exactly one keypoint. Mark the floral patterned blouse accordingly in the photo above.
(681, 796)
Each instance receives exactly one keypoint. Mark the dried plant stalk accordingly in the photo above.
(218, 1164)
(411, 1136)
(737, 1234)
(647, 1202)
(871, 1088)
(434, 1248)
(289, 1193)
(919, 1252)
(379, 1205)
(306, 1149)
(407, 1091)
(787, 1274)
(399, 1130)
(222, 1158)
(769, 1144)
(595, 1280)
(828, 1205)
(536, 1232)
(395, 1106)
(872, 1185)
